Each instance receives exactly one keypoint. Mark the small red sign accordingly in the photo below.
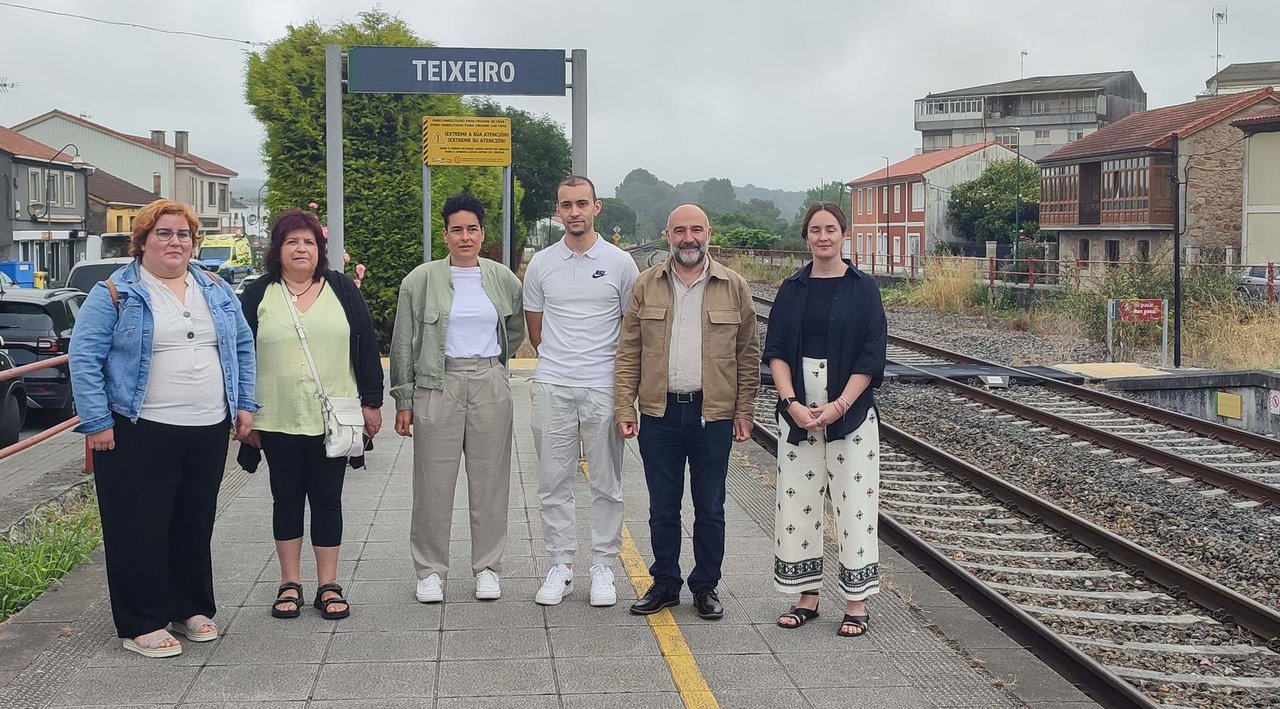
(1141, 310)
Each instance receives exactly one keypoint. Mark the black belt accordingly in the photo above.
(690, 397)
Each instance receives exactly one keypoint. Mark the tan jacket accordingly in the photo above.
(730, 347)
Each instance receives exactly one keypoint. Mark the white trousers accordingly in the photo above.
(563, 416)
(847, 471)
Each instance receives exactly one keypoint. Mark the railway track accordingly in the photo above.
(1134, 629)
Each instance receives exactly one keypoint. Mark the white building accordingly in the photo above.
(171, 171)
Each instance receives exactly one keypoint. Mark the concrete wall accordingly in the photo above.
(1196, 394)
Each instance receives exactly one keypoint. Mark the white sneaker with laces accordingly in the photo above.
(602, 591)
(559, 583)
(430, 590)
(487, 586)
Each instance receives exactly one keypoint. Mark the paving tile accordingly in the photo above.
(816, 636)
(126, 685)
(389, 646)
(624, 700)
(842, 669)
(366, 681)
(385, 569)
(879, 697)
(768, 699)
(368, 703)
(573, 611)
(112, 654)
(731, 672)
(370, 618)
(258, 619)
(492, 615)
(594, 675)
(719, 639)
(496, 644)
(531, 701)
(621, 641)
(253, 683)
(495, 678)
(245, 705)
(267, 649)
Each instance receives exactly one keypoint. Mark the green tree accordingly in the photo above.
(651, 198)
(616, 213)
(744, 238)
(983, 209)
(717, 196)
(833, 191)
(284, 85)
(540, 159)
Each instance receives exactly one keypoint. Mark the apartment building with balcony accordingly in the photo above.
(1111, 195)
(1044, 113)
(1242, 78)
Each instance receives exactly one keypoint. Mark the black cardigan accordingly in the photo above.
(365, 358)
(856, 344)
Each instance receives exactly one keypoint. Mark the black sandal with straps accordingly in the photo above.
(281, 599)
(862, 622)
(798, 614)
(322, 604)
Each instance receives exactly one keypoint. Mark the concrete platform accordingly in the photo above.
(925, 649)
(1100, 371)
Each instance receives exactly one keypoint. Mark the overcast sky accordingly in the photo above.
(779, 94)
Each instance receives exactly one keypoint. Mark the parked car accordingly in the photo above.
(86, 273)
(13, 403)
(246, 281)
(36, 325)
(1253, 283)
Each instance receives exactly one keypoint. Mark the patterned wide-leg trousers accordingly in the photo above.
(847, 471)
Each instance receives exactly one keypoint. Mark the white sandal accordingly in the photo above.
(189, 626)
(151, 648)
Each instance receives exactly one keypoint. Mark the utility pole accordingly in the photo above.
(1022, 63)
(1219, 19)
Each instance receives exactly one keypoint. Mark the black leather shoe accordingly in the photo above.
(655, 599)
(707, 605)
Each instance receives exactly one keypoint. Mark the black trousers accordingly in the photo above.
(680, 436)
(158, 494)
(300, 472)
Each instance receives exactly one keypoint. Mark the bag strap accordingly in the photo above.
(302, 337)
(115, 295)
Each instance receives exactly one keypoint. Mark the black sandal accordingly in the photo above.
(800, 615)
(322, 604)
(297, 601)
(857, 621)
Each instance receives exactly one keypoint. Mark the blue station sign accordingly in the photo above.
(452, 70)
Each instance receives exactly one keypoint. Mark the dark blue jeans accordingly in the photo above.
(666, 444)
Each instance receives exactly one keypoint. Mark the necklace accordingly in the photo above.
(295, 296)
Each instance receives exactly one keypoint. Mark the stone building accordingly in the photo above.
(1109, 197)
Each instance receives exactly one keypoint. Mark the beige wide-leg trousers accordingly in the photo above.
(471, 415)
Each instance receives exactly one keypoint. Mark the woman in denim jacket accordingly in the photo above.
(162, 365)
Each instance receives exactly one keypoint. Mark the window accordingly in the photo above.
(1042, 136)
(1074, 135)
(884, 199)
(1113, 251)
(119, 222)
(859, 200)
(213, 194)
(883, 245)
(35, 186)
(51, 184)
(1144, 250)
(222, 198)
(1082, 252)
(1040, 106)
(1009, 139)
(198, 201)
(194, 194)
(917, 196)
(897, 198)
(69, 189)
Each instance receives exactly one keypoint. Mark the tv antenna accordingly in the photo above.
(1219, 19)
(1022, 63)
(5, 84)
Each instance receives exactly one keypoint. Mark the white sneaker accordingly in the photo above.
(559, 584)
(602, 590)
(429, 589)
(487, 586)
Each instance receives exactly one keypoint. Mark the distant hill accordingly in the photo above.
(246, 188)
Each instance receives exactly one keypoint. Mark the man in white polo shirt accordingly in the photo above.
(575, 292)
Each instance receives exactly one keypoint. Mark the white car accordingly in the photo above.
(86, 273)
(1253, 283)
(246, 281)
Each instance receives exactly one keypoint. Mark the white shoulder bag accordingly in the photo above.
(343, 420)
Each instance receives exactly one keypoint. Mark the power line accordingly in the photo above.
(136, 25)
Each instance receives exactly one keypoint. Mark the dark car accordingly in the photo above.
(85, 274)
(36, 325)
(13, 404)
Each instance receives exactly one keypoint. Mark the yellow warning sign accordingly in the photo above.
(466, 141)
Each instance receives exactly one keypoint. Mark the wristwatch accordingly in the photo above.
(784, 403)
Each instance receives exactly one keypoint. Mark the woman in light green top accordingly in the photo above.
(291, 428)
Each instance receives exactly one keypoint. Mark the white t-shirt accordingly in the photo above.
(581, 299)
(184, 386)
(473, 321)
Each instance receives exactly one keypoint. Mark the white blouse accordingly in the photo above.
(473, 321)
(184, 387)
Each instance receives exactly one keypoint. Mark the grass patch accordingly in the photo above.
(1233, 337)
(950, 286)
(762, 273)
(43, 547)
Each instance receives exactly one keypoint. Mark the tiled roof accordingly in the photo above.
(1249, 72)
(1152, 129)
(1038, 84)
(1259, 122)
(180, 160)
(15, 143)
(917, 165)
(113, 190)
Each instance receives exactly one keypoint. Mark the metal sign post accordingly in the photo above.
(1138, 310)
(446, 70)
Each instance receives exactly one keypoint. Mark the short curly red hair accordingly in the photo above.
(150, 214)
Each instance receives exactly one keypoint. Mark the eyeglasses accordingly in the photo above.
(184, 235)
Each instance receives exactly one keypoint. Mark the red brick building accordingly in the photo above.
(903, 212)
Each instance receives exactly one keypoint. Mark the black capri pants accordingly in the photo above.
(301, 472)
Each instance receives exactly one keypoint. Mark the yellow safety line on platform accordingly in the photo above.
(693, 688)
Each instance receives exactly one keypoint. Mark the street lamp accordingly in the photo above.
(260, 189)
(78, 163)
(1017, 197)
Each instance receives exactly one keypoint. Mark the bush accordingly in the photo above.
(48, 544)
(745, 238)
